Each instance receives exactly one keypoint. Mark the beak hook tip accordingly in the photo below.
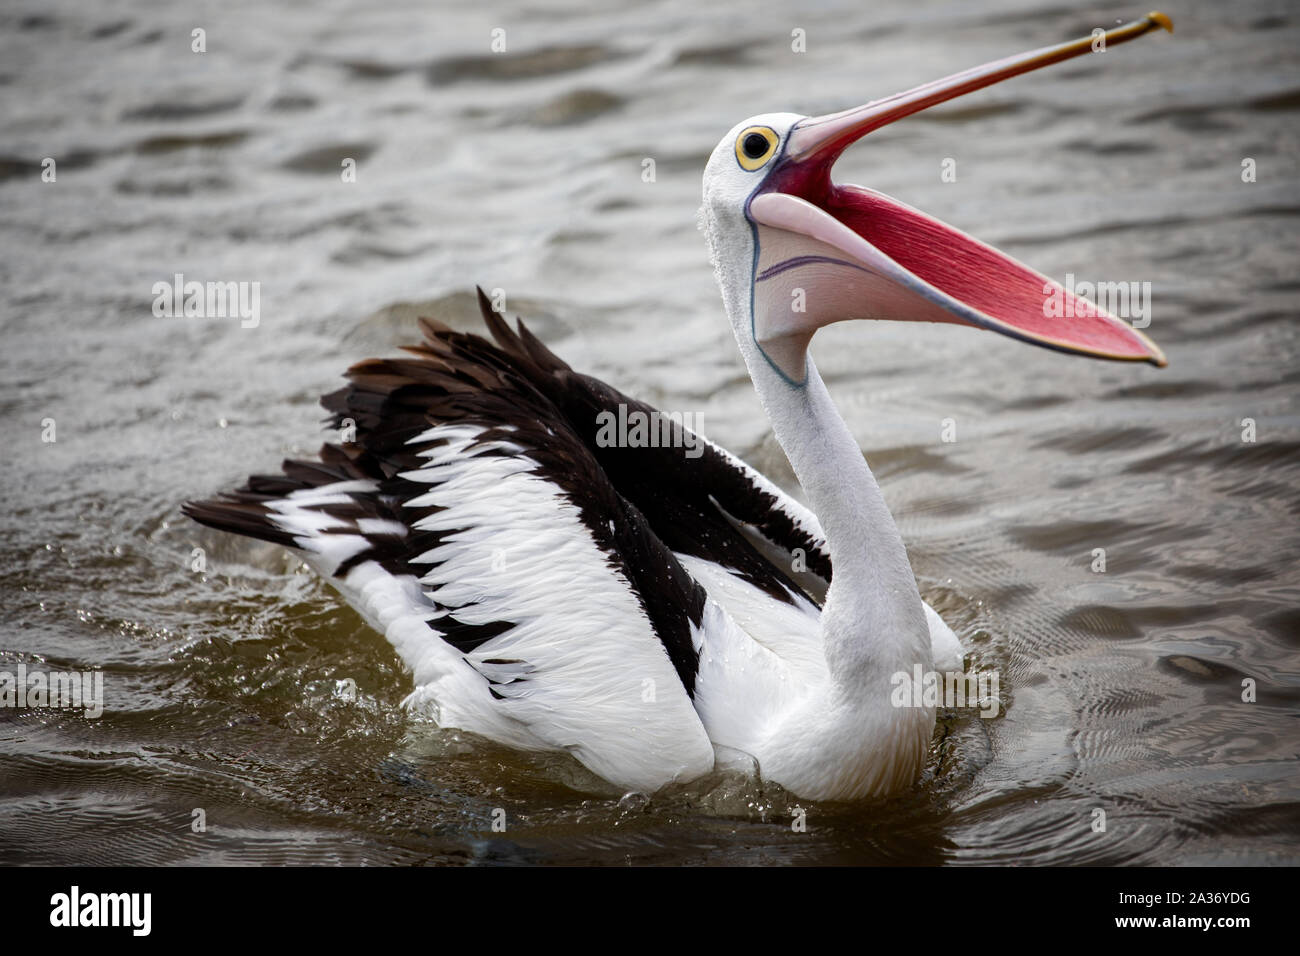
(1155, 16)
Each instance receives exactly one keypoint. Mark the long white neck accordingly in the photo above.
(873, 622)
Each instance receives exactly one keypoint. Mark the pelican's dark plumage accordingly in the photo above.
(641, 506)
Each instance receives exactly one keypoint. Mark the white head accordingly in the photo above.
(738, 166)
(732, 175)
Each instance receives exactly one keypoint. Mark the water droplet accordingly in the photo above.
(633, 801)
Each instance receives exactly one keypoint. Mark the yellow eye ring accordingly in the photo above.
(755, 146)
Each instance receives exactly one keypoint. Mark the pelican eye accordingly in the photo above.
(755, 146)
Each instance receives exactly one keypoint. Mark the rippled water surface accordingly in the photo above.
(226, 690)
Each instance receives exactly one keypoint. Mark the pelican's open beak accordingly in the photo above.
(829, 252)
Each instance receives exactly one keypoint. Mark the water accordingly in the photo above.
(228, 690)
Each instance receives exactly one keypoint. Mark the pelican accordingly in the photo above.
(651, 612)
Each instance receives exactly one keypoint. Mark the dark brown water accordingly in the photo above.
(227, 690)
